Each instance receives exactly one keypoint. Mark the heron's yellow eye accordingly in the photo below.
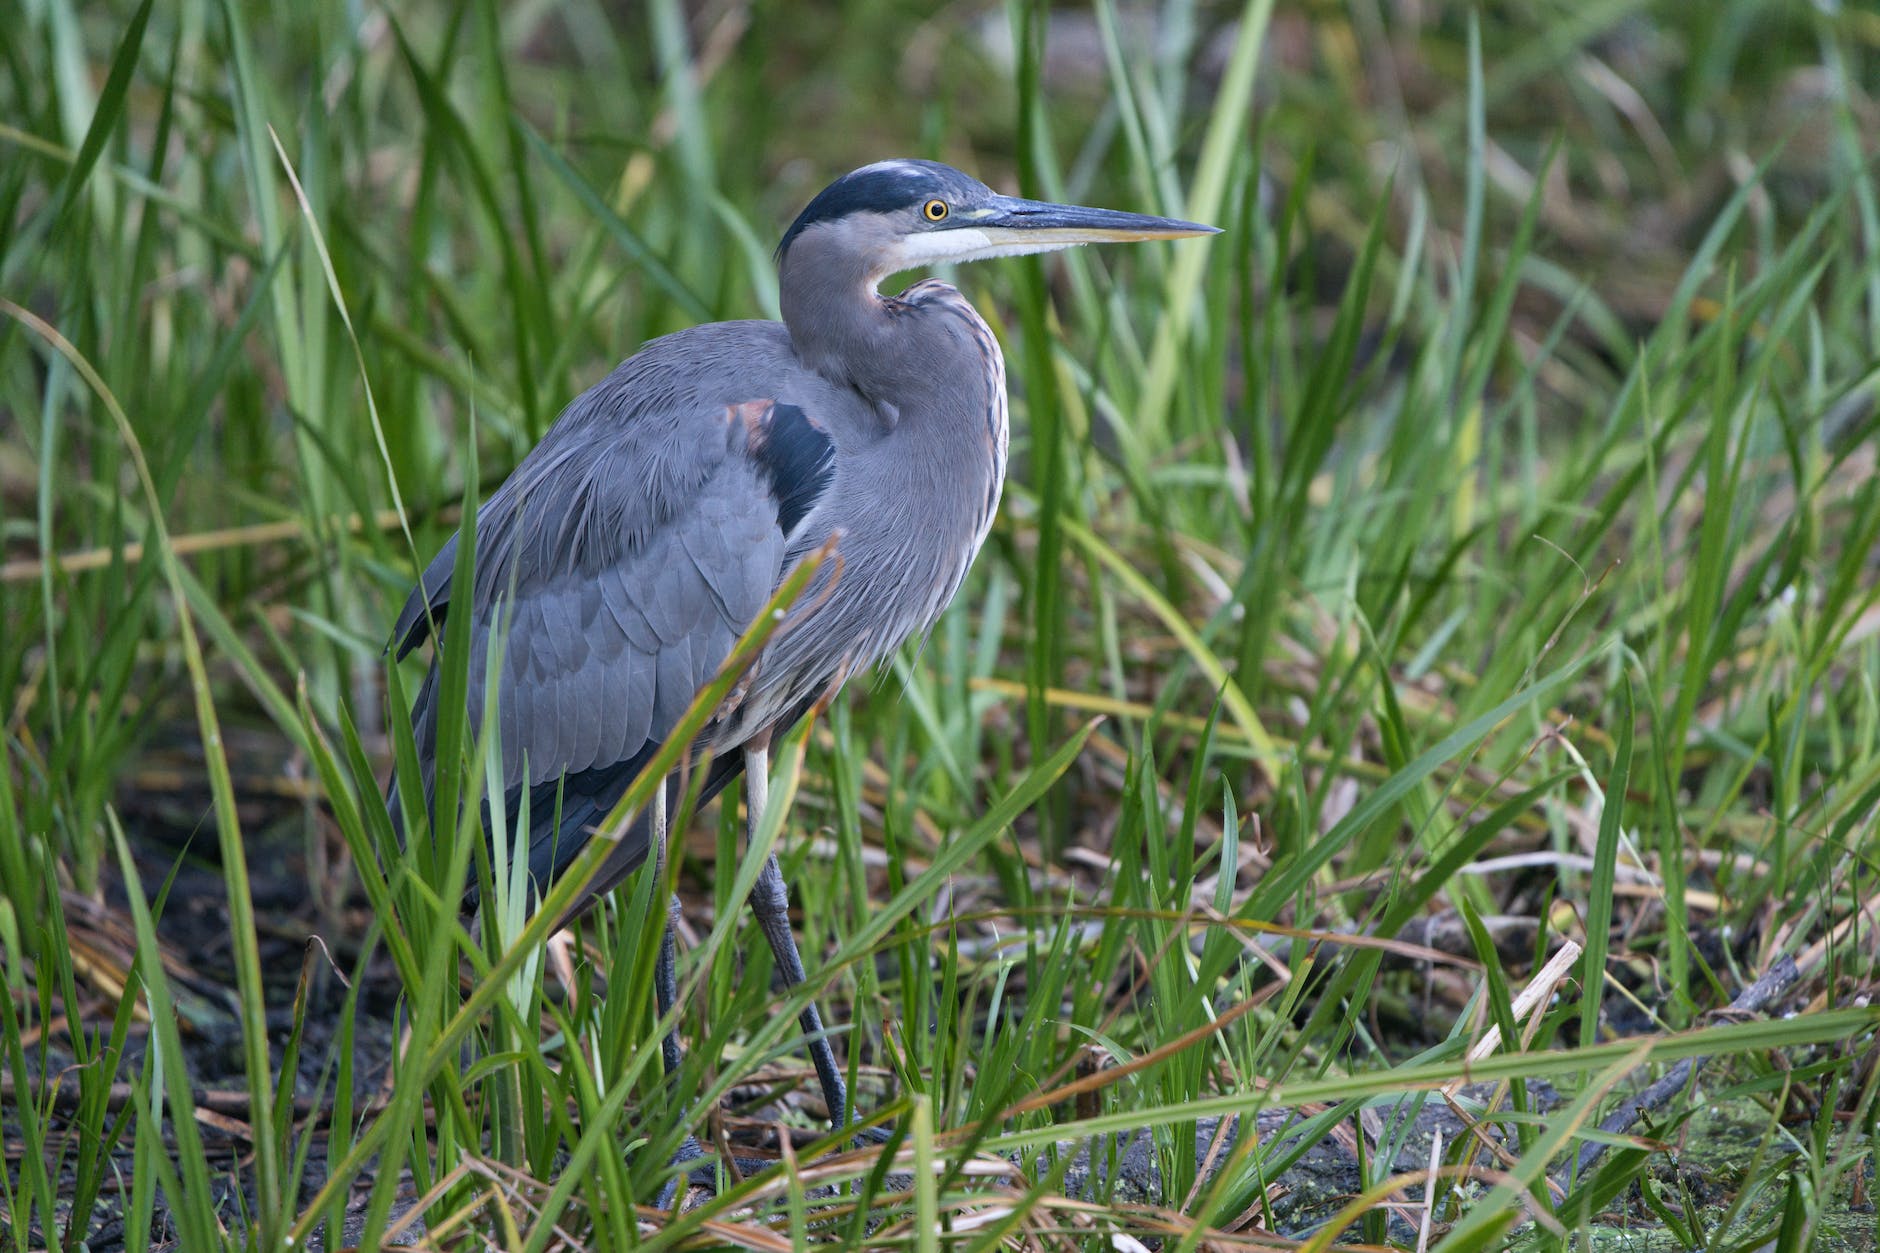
(935, 210)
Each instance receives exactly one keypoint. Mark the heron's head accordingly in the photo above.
(904, 214)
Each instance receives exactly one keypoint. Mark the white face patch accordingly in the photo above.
(968, 243)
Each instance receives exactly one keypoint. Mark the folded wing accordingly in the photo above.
(615, 575)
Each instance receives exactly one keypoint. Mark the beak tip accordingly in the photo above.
(1178, 229)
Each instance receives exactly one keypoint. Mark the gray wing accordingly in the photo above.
(617, 567)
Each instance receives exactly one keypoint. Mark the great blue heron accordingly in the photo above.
(634, 544)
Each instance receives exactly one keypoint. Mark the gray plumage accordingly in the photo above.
(634, 544)
(632, 547)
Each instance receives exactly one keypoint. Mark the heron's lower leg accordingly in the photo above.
(666, 968)
(703, 1169)
(770, 902)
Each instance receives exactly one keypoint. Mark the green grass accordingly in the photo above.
(1500, 485)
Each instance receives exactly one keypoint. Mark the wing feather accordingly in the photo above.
(675, 687)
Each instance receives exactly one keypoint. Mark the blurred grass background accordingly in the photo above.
(1474, 547)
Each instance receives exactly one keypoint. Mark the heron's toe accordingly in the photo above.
(700, 1170)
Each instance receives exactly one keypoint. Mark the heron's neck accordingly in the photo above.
(840, 325)
(850, 343)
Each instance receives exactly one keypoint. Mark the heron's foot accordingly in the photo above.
(701, 1170)
(866, 1136)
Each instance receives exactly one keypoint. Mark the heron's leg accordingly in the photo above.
(666, 991)
(665, 969)
(770, 902)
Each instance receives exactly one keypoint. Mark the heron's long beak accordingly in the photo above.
(1006, 226)
(1039, 223)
